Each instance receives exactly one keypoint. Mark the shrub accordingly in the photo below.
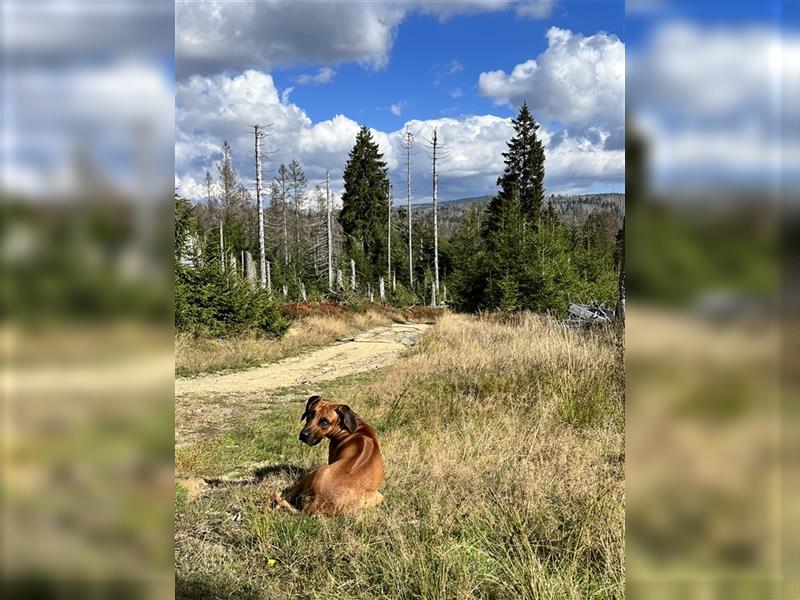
(218, 304)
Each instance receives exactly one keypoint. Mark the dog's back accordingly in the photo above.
(350, 480)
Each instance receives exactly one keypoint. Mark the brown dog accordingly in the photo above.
(350, 480)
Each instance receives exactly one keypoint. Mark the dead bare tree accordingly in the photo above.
(437, 153)
(389, 233)
(328, 227)
(259, 134)
(408, 144)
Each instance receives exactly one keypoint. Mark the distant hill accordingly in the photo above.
(573, 209)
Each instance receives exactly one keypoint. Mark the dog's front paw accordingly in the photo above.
(280, 503)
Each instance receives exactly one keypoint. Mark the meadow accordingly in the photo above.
(503, 441)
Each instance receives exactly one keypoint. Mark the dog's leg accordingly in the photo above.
(373, 499)
(280, 503)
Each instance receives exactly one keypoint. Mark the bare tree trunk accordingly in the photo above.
(262, 257)
(435, 217)
(330, 236)
(409, 143)
(389, 242)
(433, 293)
(303, 292)
(382, 289)
(296, 226)
(269, 278)
(285, 229)
(352, 275)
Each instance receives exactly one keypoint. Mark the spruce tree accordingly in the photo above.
(365, 202)
(522, 180)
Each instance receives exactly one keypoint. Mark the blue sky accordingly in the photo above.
(467, 45)
(317, 71)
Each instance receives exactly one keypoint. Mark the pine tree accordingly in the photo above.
(365, 203)
(522, 180)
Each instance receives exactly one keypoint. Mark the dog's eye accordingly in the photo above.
(324, 422)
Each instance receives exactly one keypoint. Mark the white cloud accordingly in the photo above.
(217, 36)
(577, 80)
(213, 109)
(212, 37)
(396, 108)
(324, 75)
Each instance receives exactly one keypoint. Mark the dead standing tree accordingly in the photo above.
(437, 151)
(328, 228)
(281, 181)
(258, 134)
(298, 181)
(408, 143)
(389, 234)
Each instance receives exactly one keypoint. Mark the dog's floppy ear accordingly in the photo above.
(312, 402)
(347, 417)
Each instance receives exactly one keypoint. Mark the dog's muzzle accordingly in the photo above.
(305, 437)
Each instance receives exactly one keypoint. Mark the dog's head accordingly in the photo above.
(326, 419)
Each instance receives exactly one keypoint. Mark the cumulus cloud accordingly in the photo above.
(578, 81)
(212, 37)
(324, 75)
(396, 108)
(217, 108)
(217, 36)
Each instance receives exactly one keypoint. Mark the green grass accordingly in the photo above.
(504, 479)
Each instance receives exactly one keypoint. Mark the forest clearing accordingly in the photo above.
(501, 428)
(503, 444)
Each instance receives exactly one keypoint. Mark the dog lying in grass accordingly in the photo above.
(350, 480)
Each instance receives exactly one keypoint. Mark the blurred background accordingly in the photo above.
(713, 171)
(87, 352)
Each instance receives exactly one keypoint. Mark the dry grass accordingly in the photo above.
(195, 355)
(504, 459)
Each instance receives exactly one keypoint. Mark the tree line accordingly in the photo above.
(517, 253)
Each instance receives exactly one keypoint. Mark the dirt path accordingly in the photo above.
(369, 350)
(204, 404)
